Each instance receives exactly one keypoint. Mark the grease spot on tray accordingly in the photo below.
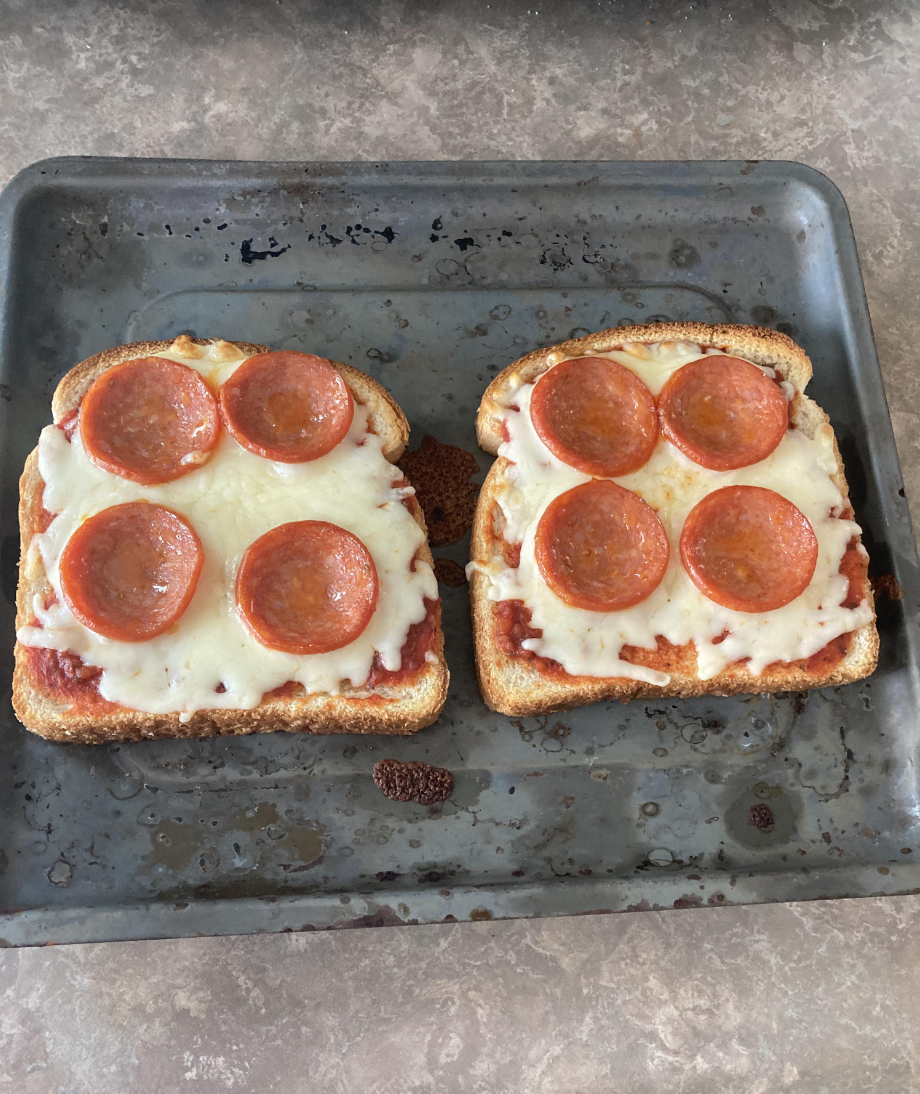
(61, 874)
(291, 844)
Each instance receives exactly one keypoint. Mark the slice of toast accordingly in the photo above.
(400, 708)
(519, 685)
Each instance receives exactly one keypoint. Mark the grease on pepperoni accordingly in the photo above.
(149, 420)
(288, 407)
(129, 572)
(748, 549)
(723, 413)
(601, 547)
(307, 587)
(596, 416)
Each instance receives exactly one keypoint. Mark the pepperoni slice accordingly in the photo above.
(723, 412)
(129, 572)
(307, 587)
(601, 547)
(748, 549)
(286, 406)
(149, 420)
(595, 415)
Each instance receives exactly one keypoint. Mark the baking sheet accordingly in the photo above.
(432, 277)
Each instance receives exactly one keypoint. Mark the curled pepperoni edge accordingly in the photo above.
(230, 398)
(91, 406)
(247, 574)
(684, 376)
(694, 526)
(75, 595)
(657, 563)
(540, 410)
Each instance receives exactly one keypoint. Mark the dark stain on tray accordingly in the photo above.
(689, 900)
(248, 255)
(413, 781)
(441, 475)
(384, 916)
(683, 256)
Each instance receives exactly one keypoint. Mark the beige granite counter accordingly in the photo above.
(803, 998)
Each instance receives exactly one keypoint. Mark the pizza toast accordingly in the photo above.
(519, 666)
(63, 696)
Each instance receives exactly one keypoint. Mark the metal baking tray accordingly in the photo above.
(433, 276)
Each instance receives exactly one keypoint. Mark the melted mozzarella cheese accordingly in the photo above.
(589, 643)
(231, 501)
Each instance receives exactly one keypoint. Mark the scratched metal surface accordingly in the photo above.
(432, 277)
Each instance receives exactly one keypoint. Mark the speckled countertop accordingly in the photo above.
(802, 998)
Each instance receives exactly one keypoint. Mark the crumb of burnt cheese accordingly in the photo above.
(185, 347)
(224, 351)
(761, 816)
(413, 781)
(449, 573)
(441, 475)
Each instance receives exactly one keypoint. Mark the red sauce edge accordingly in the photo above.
(64, 676)
(512, 626)
(420, 639)
(43, 521)
(68, 423)
(409, 502)
(287, 690)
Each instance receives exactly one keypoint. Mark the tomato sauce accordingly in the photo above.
(420, 639)
(43, 521)
(853, 568)
(830, 656)
(65, 677)
(665, 657)
(68, 424)
(512, 627)
(511, 553)
(288, 690)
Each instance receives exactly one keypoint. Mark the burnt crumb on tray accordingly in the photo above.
(449, 573)
(761, 816)
(413, 781)
(441, 476)
(887, 585)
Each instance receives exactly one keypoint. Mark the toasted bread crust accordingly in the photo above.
(401, 709)
(512, 684)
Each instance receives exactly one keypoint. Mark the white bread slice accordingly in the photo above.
(514, 685)
(400, 709)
